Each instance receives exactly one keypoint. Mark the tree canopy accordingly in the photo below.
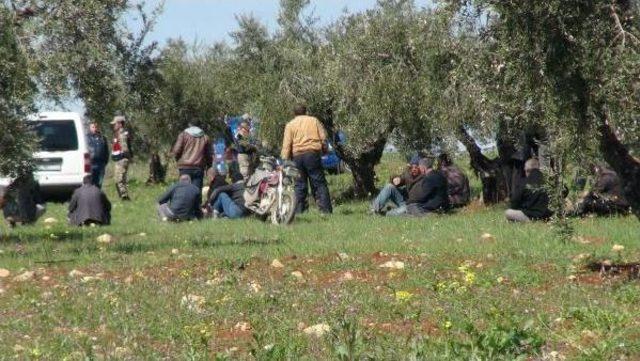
(560, 72)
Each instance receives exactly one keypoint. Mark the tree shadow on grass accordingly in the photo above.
(75, 235)
(129, 247)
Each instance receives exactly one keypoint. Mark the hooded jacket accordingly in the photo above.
(192, 150)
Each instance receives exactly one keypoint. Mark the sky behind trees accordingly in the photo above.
(209, 21)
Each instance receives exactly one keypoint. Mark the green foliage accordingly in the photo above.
(16, 143)
(500, 342)
(134, 310)
(84, 49)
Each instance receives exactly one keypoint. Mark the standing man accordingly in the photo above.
(193, 153)
(304, 141)
(98, 152)
(246, 150)
(121, 155)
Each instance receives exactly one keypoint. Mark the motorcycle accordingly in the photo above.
(269, 192)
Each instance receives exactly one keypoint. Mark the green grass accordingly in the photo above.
(512, 300)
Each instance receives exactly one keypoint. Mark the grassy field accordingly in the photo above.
(472, 286)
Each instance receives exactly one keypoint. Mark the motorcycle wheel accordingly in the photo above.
(288, 211)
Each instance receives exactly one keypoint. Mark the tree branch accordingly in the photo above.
(621, 32)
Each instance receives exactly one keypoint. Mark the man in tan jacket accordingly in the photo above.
(304, 141)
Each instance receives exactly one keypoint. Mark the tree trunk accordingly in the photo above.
(363, 163)
(364, 179)
(495, 187)
(618, 157)
(157, 171)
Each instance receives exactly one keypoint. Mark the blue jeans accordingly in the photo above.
(389, 193)
(311, 171)
(196, 175)
(97, 174)
(226, 206)
(400, 211)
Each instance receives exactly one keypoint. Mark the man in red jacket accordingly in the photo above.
(193, 153)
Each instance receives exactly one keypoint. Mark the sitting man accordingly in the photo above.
(89, 205)
(428, 194)
(23, 203)
(228, 201)
(457, 182)
(216, 177)
(530, 200)
(181, 202)
(605, 197)
(398, 188)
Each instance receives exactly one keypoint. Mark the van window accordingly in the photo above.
(56, 136)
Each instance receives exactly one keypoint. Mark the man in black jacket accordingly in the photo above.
(605, 197)
(428, 195)
(22, 200)
(228, 201)
(530, 200)
(98, 153)
(181, 202)
(89, 205)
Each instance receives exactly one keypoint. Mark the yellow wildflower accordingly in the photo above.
(402, 296)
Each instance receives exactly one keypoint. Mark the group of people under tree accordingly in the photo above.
(426, 187)
(304, 142)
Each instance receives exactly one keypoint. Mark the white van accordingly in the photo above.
(62, 159)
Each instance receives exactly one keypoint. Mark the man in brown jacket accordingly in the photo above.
(193, 153)
(304, 141)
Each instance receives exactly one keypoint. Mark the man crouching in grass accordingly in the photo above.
(529, 199)
(181, 202)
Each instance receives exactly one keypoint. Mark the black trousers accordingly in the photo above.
(196, 175)
(311, 172)
(593, 203)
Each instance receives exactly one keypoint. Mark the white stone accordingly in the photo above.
(318, 330)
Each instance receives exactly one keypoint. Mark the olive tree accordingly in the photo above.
(16, 144)
(85, 50)
(358, 76)
(577, 61)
